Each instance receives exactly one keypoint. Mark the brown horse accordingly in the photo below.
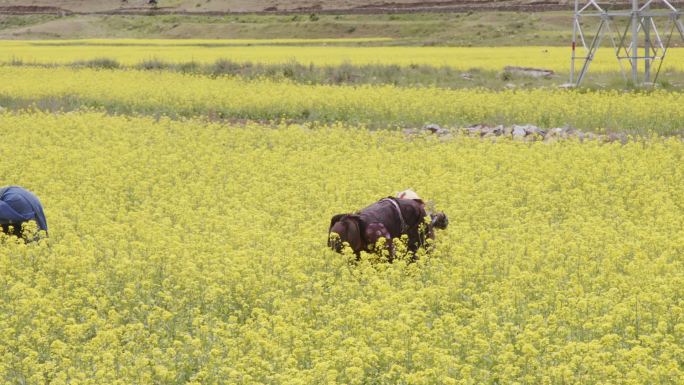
(389, 218)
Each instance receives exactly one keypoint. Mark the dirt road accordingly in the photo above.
(273, 7)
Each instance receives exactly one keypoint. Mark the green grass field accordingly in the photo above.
(463, 29)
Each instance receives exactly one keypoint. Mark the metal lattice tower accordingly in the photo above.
(641, 29)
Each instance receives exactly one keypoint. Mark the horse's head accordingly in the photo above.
(439, 220)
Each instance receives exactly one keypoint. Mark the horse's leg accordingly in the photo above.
(377, 230)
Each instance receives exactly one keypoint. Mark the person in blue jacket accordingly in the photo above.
(18, 205)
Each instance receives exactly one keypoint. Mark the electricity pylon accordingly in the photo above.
(641, 29)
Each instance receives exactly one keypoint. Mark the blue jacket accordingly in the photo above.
(19, 205)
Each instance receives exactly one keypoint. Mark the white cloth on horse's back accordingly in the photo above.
(408, 194)
(18, 205)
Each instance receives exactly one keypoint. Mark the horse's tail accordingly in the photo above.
(346, 226)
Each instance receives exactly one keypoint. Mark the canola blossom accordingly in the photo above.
(340, 51)
(191, 252)
(174, 94)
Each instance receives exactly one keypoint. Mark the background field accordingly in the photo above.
(480, 28)
(321, 53)
(536, 39)
(471, 28)
(188, 186)
(376, 106)
(193, 252)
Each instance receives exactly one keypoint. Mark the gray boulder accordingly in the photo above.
(519, 132)
(435, 129)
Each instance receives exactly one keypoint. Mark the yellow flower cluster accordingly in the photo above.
(188, 95)
(188, 252)
(130, 52)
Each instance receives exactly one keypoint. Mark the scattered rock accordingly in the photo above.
(486, 130)
(526, 132)
(616, 136)
(527, 71)
(472, 131)
(467, 76)
(555, 132)
(519, 132)
(566, 85)
(528, 129)
(433, 128)
(534, 130)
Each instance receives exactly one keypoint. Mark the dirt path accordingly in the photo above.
(378, 8)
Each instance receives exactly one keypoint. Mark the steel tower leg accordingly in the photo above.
(574, 43)
(635, 40)
(647, 47)
(640, 17)
(592, 51)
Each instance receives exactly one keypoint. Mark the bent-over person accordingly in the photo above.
(17, 206)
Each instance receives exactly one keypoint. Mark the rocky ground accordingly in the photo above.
(526, 132)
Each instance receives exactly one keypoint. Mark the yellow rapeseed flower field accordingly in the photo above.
(192, 252)
(129, 91)
(131, 52)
